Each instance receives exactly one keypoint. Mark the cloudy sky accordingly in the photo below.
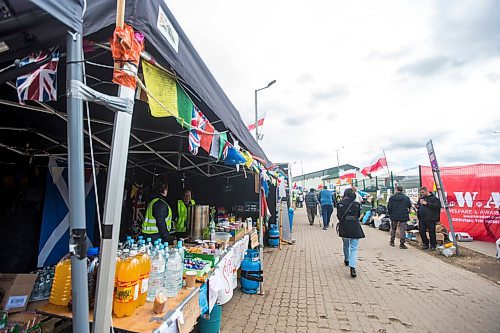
(364, 75)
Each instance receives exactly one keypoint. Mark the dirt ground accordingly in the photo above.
(472, 261)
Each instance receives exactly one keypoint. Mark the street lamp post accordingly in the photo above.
(256, 116)
(261, 230)
(338, 163)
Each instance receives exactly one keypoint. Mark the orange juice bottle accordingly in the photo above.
(61, 287)
(127, 285)
(145, 269)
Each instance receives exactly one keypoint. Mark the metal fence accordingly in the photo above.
(382, 187)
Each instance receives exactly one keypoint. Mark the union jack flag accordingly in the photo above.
(41, 84)
(198, 121)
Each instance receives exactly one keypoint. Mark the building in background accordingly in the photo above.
(328, 177)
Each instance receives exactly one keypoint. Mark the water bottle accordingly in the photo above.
(173, 280)
(181, 249)
(157, 274)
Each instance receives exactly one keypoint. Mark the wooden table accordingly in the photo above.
(140, 321)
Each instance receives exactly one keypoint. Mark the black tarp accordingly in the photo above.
(100, 15)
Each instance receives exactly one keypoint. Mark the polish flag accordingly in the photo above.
(260, 122)
(377, 164)
(347, 174)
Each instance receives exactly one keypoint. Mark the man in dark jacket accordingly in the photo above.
(399, 207)
(311, 205)
(429, 208)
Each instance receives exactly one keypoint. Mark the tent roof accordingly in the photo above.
(98, 22)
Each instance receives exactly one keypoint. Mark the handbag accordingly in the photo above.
(349, 227)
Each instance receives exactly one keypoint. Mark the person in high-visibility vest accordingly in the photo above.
(158, 219)
(182, 213)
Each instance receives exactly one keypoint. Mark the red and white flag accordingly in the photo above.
(260, 122)
(377, 164)
(347, 174)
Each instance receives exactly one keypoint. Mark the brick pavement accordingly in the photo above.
(308, 289)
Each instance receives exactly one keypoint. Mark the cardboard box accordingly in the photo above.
(439, 238)
(15, 291)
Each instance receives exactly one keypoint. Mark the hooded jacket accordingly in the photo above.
(398, 207)
(431, 211)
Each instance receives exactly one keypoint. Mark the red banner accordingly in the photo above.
(473, 194)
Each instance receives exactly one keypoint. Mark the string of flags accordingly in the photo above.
(166, 98)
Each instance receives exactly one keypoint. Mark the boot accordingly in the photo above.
(353, 272)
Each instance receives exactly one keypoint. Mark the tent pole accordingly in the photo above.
(261, 236)
(76, 182)
(113, 204)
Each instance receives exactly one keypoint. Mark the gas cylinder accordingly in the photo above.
(274, 236)
(251, 273)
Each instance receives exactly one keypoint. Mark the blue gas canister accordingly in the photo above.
(274, 236)
(251, 273)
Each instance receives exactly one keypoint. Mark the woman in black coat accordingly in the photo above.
(348, 211)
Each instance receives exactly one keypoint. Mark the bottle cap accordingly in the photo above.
(179, 244)
(129, 237)
(140, 237)
(165, 244)
(148, 239)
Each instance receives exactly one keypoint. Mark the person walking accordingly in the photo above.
(349, 228)
(399, 208)
(311, 205)
(428, 210)
(326, 202)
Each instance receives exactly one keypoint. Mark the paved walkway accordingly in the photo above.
(486, 248)
(308, 289)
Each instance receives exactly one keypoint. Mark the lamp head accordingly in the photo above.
(271, 83)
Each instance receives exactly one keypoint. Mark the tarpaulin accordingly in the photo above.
(170, 44)
(473, 195)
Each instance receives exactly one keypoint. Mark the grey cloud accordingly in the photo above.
(429, 66)
(331, 94)
(295, 121)
(468, 29)
(414, 142)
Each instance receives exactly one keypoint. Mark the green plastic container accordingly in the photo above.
(211, 325)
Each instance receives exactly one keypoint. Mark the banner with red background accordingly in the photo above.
(473, 194)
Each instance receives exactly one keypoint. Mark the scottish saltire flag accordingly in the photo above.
(54, 237)
(198, 121)
(41, 84)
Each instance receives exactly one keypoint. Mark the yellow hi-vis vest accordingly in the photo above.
(180, 225)
(149, 224)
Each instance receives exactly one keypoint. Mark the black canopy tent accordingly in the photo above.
(35, 130)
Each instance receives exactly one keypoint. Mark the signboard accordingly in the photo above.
(473, 196)
(440, 190)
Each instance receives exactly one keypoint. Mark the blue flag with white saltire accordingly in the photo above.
(54, 236)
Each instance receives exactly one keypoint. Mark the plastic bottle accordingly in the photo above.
(61, 287)
(157, 273)
(145, 269)
(181, 249)
(173, 279)
(127, 285)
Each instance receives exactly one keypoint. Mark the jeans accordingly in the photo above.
(327, 211)
(423, 227)
(351, 251)
(402, 231)
(311, 213)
